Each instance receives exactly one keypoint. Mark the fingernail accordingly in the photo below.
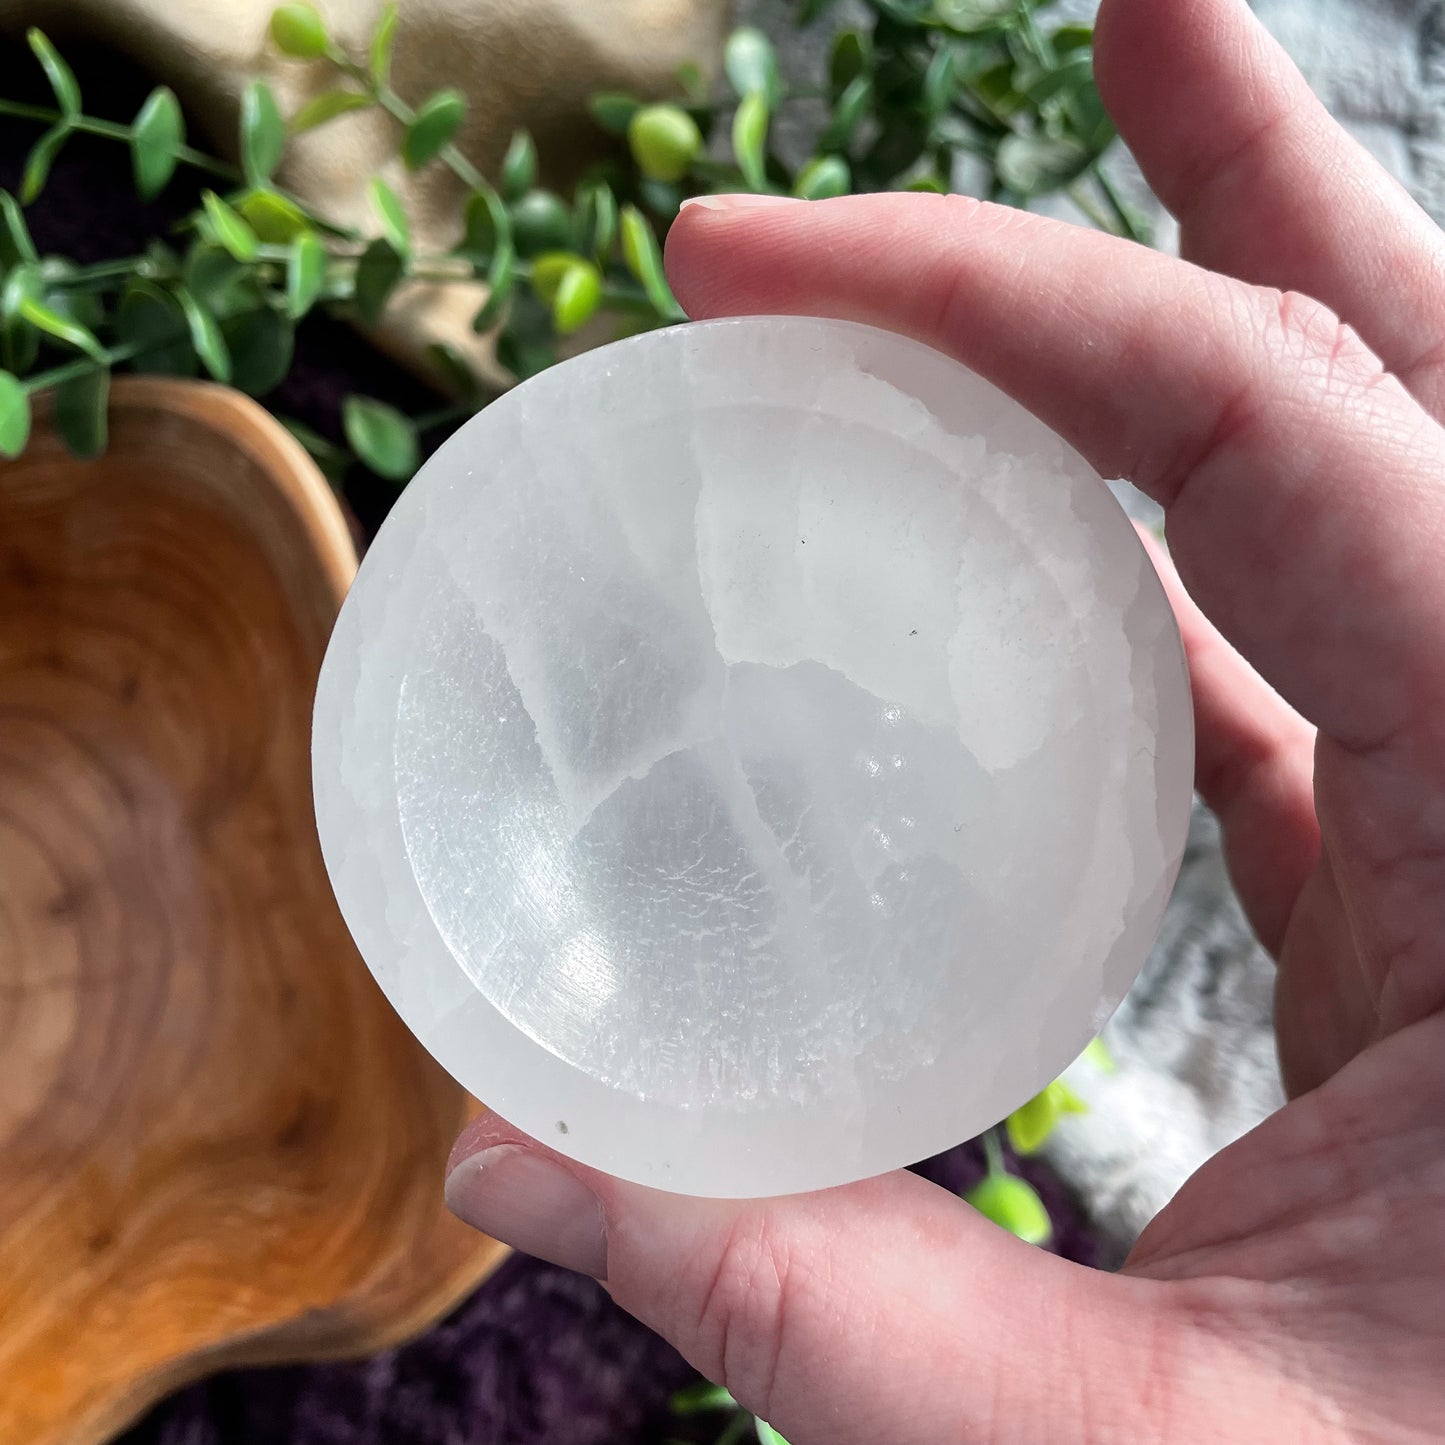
(525, 1200)
(739, 202)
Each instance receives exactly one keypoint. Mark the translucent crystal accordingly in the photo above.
(754, 755)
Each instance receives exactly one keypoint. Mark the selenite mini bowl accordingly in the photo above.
(754, 755)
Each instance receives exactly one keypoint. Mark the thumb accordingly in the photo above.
(885, 1310)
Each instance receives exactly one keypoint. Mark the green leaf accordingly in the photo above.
(501, 277)
(16, 247)
(851, 56)
(751, 65)
(438, 119)
(1013, 1203)
(57, 72)
(940, 80)
(299, 31)
(156, 137)
(485, 224)
(305, 274)
(524, 355)
(377, 273)
(1089, 120)
(541, 222)
(823, 178)
(19, 344)
(848, 113)
(263, 132)
(228, 228)
(548, 269)
(382, 41)
(332, 459)
(814, 10)
(662, 198)
(276, 220)
(1030, 1125)
(701, 1398)
(693, 81)
(1069, 38)
(1033, 165)
(519, 166)
(150, 318)
(393, 216)
(206, 336)
(221, 283)
(968, 17)
(664, 140)
(14, 416)
(41, 158)
(579, 293)
(327, 106)
(1066, 79)
(452, 371)
(596, 219)
(750, 139)
(766, 1434)
(261, 344)
(643, 257)
(73, 302)
(60, 327)
(81, 405)
(381, 436)
(1097, 1053)
(22, 283)
(613, 110)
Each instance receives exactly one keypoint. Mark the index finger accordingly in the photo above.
(1299, 478)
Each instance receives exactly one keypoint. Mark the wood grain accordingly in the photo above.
(218, 1144)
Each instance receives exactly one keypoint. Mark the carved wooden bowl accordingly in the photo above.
(218, 1145)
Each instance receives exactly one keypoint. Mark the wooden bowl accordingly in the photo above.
(218, 1144)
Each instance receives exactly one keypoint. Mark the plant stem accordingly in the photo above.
(101, 271)
(1085, 202)
(736, 1428)
(404, 114)
(1127, 225)
(993, 1152)
(1037, 42)
(111, 356)
(113, 130)
(442, 415)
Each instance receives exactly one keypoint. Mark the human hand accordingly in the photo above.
(1295, 1288)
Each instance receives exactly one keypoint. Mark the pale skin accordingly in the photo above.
(1281, 392)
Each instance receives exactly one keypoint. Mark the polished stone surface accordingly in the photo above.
(754, 755)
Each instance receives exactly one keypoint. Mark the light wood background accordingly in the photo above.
(217, 1142)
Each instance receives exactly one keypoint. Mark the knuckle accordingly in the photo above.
(745, 1309)
(1305, 334)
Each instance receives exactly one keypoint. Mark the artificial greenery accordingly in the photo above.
(924, 92)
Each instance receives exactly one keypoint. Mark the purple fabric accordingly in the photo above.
(536, 1355)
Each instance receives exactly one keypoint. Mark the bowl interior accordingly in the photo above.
(217, 1141)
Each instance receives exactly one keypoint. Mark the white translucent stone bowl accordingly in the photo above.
(754, 756)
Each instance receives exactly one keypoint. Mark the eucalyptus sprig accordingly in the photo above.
(912, 99)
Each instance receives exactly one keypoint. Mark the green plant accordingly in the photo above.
(924, 85)
(707, 1399)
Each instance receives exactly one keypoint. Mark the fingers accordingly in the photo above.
(1266, 185)
(1302, 485)
(1254, 765)
(886, 1310)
